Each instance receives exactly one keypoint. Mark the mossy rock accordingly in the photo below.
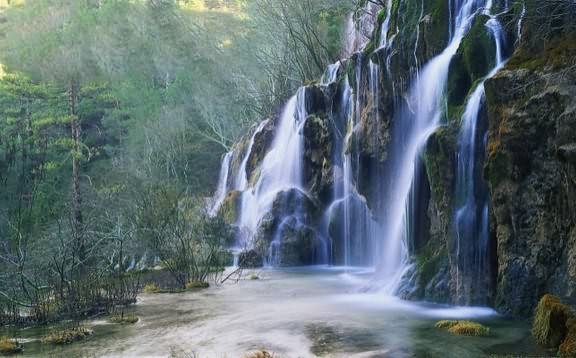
(550, 321)
(568, 348)
(66, 336)
(260, 354)
(197, 284)
(9, 346)
(130, 318)
(464, 328)
(446, 324)
(230, 207)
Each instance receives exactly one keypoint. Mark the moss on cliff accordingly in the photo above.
(473, 61)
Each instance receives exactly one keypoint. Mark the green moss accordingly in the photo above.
(550, 321)
(472, 62)
(428, 263)
(557, 54)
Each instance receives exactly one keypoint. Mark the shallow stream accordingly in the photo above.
(309, 312)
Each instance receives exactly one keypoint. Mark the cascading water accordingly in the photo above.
(241, 178)
(471, 217)
(222, 188)
(330, 74)
(420, 119)
(385, 26)
(353, 232)
(281, 169)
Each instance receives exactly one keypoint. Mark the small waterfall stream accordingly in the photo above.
(471, 216)
(222, 188)
(420, 119)
(280, 170)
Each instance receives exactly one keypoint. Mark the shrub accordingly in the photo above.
(254, 277)
(66, 336)
(9, 346)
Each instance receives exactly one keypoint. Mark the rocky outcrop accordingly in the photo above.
(287, 234)
(531, 176)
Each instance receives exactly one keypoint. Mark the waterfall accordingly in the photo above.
(385, 26)
(471, 216)
(281, 169)
(420, 119)
(241, 178)
(221, 190)
(330, 74)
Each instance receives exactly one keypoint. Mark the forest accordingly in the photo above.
(295, 178)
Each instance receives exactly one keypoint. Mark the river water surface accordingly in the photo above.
(308, 312)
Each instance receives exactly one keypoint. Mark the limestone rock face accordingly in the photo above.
(531, 171)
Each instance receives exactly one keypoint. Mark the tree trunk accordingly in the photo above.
(76, 132)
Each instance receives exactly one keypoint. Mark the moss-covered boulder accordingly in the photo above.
(464, 328)
(568, 347)
(551, 318)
